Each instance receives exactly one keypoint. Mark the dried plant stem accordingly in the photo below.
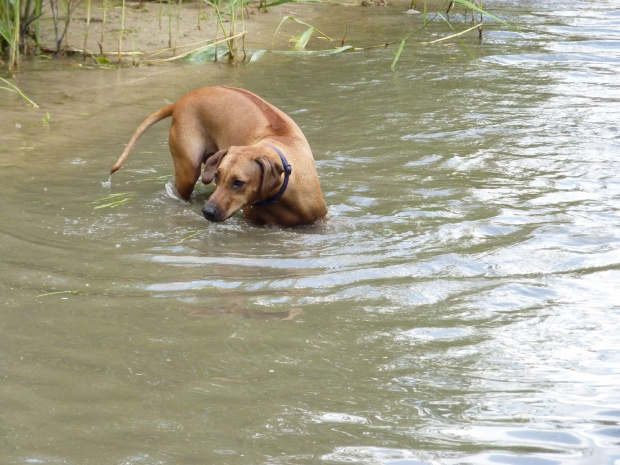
(170, 23)
(103, 21)
(183, 55)
(87, 26)
(120, 37)
(199, 13)
(163, 50)
(458, 34)
(176, 37)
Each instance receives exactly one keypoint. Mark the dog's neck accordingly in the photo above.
(287, 172)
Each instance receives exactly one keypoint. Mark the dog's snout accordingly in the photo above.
(211, 212)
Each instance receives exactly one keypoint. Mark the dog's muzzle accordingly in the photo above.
(212, 213)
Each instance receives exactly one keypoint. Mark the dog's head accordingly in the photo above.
(243, 176)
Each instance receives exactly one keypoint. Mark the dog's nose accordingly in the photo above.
(210, 212)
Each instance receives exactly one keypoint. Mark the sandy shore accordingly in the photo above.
(153, 31)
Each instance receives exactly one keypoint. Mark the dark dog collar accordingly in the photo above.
(287, 172)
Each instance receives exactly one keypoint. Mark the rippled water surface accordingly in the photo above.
(459, 306)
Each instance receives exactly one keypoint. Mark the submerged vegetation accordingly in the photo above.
(113, 200)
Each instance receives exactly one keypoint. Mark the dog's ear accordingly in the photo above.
(271, 172)
(211, 165)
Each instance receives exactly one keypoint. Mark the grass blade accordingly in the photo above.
(291, 18)
(398, 52)
(457, 35)
(13, 88)
(58, 292)
(194, 233)
(113, 200)
(302, 40)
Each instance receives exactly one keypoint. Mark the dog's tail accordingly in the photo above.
(147, 123)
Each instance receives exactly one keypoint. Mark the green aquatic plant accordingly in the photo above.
(475, 8)
(194, 233)
(13, 88)
(9, 30)
(232, 10)
(113, 200)
(459, 34)
(47, 294)
(18, 22)
(300, 41)
(161, 178)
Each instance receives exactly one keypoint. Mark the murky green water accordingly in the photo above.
(460, 305)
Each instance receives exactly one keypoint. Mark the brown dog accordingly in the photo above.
(257, 155)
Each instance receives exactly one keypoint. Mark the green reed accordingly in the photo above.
(18, 22)
(232, 9)
(47, 294)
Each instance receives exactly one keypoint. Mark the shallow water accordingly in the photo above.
(459, 305)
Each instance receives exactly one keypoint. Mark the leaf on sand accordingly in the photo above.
(303, 39)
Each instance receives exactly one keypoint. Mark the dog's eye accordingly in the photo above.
(237, 184)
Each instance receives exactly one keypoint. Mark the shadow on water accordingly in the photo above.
(459, 305)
